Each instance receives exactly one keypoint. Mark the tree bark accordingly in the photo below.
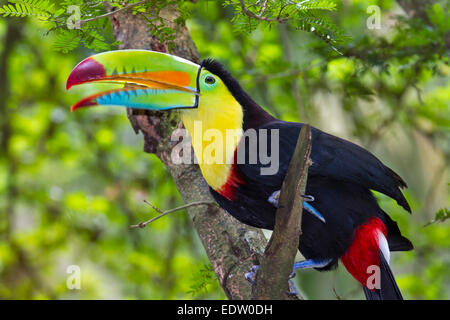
(276, 265)
(231, 246)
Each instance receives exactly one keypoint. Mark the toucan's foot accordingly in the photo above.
(251, 276)
(292, 289)
(274, 197)
(303, 265)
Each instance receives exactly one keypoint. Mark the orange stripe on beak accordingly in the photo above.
(154, 79)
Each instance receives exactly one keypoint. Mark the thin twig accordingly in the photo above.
(153, 207)
(113, 12)
(338, 297)
(163, 213)
(250, 14)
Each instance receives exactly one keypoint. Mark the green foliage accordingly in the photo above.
(303, 15)
(201, 280)
(56, 14)
(72, 183)
(440, 216)
(91, 32)
(66, 198)
(36, 8)
(66, 41)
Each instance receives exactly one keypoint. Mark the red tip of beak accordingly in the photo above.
(87, 102)
(87, 70)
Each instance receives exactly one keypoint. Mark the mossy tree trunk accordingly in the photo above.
(231, 246)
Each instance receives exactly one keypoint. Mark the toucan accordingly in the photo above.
(343, 220)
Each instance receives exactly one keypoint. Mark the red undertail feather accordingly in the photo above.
(365, 250)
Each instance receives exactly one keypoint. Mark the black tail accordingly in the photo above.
(389, 289)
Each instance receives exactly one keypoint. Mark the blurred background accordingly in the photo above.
(72, 183)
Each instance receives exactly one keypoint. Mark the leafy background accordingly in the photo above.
(72, 183)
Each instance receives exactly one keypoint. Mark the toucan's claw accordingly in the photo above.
(274, 197)
(251, 276)
(307, 197)
(292, 289)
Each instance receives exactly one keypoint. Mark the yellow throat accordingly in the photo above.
(216, 129)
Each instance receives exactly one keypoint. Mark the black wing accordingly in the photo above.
(332, 157)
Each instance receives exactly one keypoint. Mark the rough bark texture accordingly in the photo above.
(231, 246)
(276, 265)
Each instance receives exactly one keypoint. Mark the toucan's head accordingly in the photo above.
(207, 93)
(153, 81)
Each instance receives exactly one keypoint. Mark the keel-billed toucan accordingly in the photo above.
(343, 220)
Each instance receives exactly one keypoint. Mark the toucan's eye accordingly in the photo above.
(210, 80)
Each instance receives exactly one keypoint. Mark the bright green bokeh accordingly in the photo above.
(72, 183)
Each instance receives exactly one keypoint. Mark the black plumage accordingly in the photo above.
(388, 289)
(340, 178)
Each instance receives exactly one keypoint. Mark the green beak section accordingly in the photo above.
(152, 80)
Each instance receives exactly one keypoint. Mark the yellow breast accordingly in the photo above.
(216, 129)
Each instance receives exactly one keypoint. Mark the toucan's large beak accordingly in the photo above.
(153, 80)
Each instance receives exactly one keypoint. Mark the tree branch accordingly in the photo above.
(260, 16)
(132, 5)
(163, 213)
(231, 246)
(276, 267)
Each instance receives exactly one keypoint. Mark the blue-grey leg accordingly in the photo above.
(292, 289)
(311, 264)
(251, 276)
(273, 199)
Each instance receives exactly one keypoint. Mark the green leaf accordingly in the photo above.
(440, 216)
(66, 40)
